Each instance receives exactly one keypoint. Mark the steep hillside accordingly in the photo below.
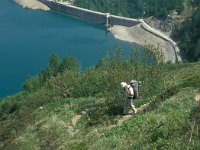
(82, 110)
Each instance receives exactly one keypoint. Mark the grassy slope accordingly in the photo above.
(170, 122)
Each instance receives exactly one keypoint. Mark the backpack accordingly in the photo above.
(135, 85)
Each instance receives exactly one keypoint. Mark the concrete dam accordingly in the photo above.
(102, 18)
(110, 20)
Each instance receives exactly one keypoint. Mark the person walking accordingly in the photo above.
(128, 102)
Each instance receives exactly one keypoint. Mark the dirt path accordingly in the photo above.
(75, 119)
(72, 125)
(72, 131)
(120, 120)
(197, 97)
(124, 118)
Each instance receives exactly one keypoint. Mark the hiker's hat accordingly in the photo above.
(123, 84)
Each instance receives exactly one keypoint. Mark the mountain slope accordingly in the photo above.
(47, 119)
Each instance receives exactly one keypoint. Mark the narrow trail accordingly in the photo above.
(75, 119)
(124, 118)
(197, 97)
(71, 126)
(120, 121)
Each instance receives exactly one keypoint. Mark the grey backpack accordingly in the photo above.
(135, 85)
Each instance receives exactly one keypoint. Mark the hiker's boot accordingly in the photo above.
(135, 110)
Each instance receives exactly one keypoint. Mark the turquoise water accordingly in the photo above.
(28, 37)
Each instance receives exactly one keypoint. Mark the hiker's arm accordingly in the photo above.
(130, 91)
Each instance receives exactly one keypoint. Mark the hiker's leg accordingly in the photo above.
(126, 106)
(133, 106)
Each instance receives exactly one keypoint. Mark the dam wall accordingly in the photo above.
(75, 11)
(117, 20)
(102, 18)
(146, 27)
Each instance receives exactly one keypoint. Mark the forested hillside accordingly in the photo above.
(133, 8)
(188, 35)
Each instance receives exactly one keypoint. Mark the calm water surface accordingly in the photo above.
(28, 37)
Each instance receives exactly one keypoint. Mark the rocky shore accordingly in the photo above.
(33, 4)
(138, 34)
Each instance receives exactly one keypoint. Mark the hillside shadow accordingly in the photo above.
(115, 110)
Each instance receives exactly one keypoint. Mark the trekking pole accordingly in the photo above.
(139, 84)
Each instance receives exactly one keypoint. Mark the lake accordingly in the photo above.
(28, 38)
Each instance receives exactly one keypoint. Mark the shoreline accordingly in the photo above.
(32, 4)
(140, 35)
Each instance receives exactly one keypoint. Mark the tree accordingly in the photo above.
(54, 63)
(31, 84)
(104, 62)
(197, 51)
(51, 70)
(69, 63)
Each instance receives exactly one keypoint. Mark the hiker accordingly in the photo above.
(128, 102)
